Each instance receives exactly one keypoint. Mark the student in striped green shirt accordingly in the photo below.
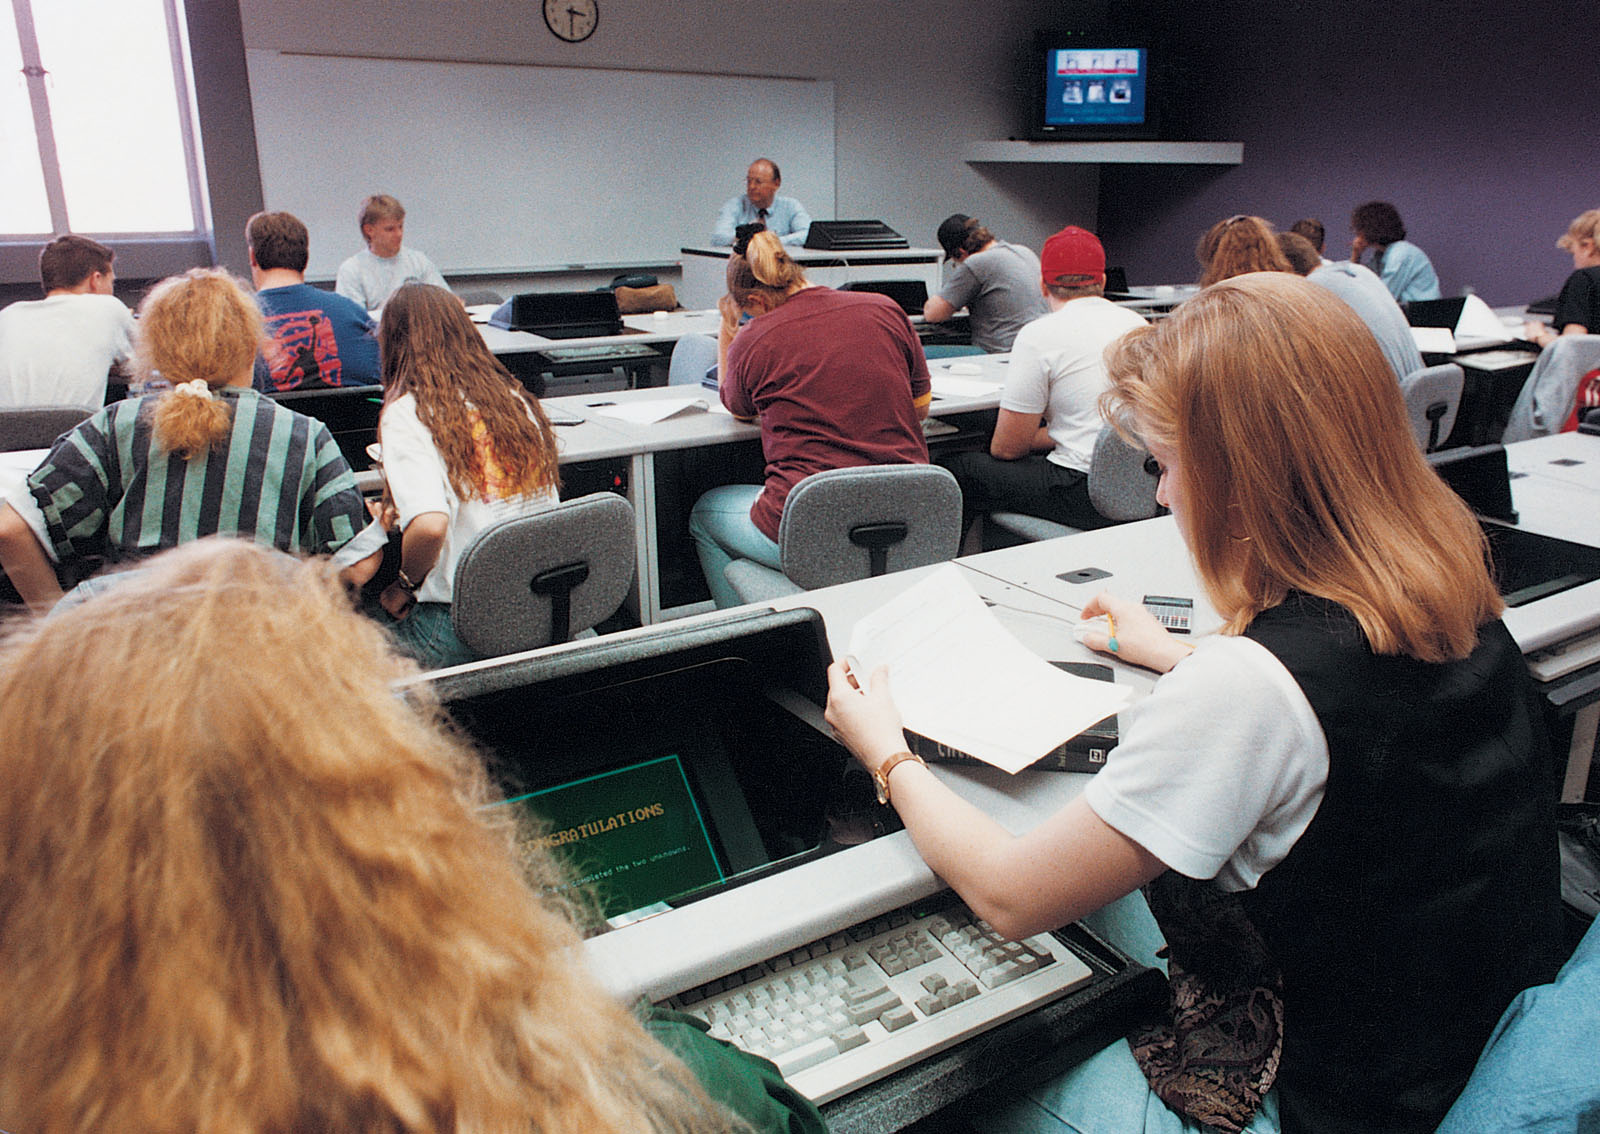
(209, 457)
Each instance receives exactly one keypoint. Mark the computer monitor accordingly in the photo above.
(672, 765)
(1092, 87)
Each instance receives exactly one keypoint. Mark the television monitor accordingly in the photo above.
(1091, 87)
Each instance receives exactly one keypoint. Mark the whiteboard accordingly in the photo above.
(506, 168)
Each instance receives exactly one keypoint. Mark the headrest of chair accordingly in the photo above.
(820, 512)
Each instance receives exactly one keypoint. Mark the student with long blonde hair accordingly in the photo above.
(254, 890)
(836, 378)
(464, 446)
(209, 456)
(1339, 806)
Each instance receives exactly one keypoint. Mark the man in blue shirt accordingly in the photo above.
(760, 204)
(319, 338)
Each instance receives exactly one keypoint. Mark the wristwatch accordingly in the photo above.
(880, 774)
(403, 581)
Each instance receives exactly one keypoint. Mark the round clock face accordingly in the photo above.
(572, 20)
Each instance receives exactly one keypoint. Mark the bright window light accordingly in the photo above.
(119, 111)
(24, 207)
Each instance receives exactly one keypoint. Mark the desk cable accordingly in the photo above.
(1026, 590)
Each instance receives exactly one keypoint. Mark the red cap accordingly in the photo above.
(1075, 252)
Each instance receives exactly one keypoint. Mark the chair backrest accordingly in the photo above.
(479, 296)
(37, 427)
(1432, 396)
(1548, 395)
(846, 524)
(1122, 486)
(692, 356)
(534, 580)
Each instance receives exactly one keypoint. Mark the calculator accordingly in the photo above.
(1172, 612)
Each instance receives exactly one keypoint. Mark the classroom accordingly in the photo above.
(1470, 118)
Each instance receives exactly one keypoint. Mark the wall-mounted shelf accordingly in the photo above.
(1107, 153)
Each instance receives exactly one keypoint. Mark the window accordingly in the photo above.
(97, 91)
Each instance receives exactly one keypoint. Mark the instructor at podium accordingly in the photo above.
(760, 204)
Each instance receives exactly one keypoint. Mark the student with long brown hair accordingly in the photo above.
(253, 889)
(209, 456)
(837, 379)
(464, 446)
(1339, 806)
(1238, 245)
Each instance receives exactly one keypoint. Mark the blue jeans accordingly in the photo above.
(1106, 1094)
(427, 635)
(723, 531)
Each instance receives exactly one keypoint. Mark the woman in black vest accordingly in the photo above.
(1339, 806)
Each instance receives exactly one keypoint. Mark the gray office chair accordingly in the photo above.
(1122, 488)
(847, 524)
(1432, 396)
(1550, 392)
(536, 580)
(37, 427)
(474, 296)
(692, 357)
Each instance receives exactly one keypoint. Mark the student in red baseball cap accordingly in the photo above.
(1038, 459)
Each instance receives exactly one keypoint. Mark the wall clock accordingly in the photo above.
(572, 20)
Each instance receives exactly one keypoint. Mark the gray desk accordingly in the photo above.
(966, 390)
(705, 269)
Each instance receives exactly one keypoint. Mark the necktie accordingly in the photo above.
(761, 215)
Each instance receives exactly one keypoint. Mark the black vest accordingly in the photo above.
(1426, 891)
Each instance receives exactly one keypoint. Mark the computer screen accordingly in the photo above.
(661, 779)
(1091, 88)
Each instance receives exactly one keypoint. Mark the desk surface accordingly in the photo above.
(830, 255)
(648, 330)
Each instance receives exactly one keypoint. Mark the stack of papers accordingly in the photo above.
(959, 678)
(650, 411)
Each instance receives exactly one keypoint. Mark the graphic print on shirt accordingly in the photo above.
(304, 352)
(497, 484)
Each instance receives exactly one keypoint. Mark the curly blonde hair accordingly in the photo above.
(202, 325)
(253, 890)
(429, 349)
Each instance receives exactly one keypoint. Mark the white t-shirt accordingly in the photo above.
(418, 483)
(370, 280)
(57, 351)
(1221, 769)
(1058, 369)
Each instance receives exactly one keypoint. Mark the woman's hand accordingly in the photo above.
(1538, 333)
(730, 317)
(1141, 640)
(865, 720)
(397, 601)
(384, 512)
(1358, 245)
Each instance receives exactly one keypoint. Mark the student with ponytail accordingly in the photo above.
(837, 379)
(209, 456)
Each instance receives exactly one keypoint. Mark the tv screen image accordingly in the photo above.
(1095, 86)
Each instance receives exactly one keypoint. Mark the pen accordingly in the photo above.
(1111, 630)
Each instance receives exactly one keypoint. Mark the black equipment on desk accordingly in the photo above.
(561, 314)
(1117, 283)
(1435, 312)
(853, 236)
(349, 412)
(911, 295)
(715, 729)
(1480, 476)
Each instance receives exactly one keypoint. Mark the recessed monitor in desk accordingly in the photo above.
(670, 766)
(561, 314)
(911, 295)
(853, 236)
(1435, 312)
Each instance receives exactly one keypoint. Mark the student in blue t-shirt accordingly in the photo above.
(318, 338)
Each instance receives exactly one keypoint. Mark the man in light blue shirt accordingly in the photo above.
(760, 204)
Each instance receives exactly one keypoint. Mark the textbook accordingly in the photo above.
(1085, 752)
(972, 690)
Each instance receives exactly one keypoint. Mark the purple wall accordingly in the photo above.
(1477, 121)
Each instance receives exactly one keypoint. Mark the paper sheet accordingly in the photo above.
(961, 679)
(1479, 323)
(949, 386)
(373, 537)
(1434, 340)
(654, 410)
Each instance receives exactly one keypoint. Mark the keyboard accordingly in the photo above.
(861, 1004)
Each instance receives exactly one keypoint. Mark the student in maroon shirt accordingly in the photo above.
(837, 379)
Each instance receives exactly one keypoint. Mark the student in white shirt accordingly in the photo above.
(464, 447)
(59, 350)
(372, 275)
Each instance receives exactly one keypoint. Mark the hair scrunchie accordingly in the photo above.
(193, 389)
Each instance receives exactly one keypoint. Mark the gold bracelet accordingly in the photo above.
(880, 774)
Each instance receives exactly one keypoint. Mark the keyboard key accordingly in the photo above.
(807, 1055)
(896, 1018)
